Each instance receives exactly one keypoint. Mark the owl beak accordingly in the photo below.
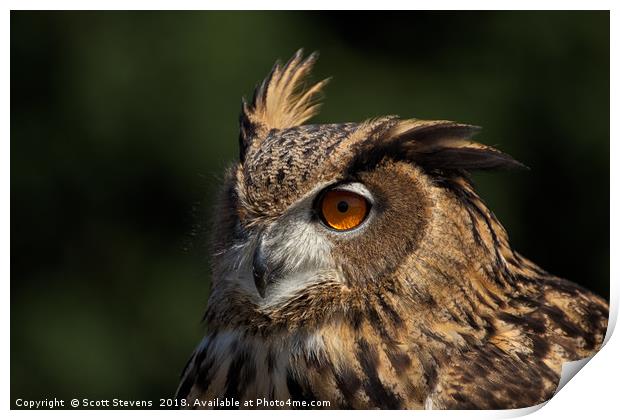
(259, 271)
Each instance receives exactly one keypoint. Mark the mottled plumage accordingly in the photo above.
(424, 305)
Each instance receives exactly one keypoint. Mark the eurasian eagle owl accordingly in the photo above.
(354, 263)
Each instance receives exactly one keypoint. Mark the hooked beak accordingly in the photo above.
(259, 271)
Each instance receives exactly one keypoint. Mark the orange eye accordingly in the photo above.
(343, 210)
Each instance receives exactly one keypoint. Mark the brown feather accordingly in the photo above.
(281, 101)
(427, 305)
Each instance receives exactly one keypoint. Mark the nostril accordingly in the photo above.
(259, 269)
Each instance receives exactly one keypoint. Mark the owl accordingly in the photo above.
(355, 266)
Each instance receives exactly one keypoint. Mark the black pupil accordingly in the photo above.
(343, 206)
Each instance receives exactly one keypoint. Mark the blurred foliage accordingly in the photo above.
(122, 122)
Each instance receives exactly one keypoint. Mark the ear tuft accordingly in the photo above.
(446, 145)
(429, 144)
(281, 101)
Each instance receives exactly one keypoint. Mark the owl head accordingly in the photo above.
(314, 220)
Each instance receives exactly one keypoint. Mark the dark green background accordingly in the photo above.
(121, 124)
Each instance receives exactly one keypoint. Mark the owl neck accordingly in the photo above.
(482, 242)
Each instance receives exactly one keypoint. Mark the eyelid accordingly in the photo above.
(356, 188)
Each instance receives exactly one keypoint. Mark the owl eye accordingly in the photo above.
(343, 210)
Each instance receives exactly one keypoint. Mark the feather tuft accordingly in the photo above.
(431, 145)
(282, 100)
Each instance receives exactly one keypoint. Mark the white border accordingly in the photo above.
(310, 5)
(592, 394)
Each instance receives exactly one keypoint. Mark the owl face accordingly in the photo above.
(301, 220)
(315, 216)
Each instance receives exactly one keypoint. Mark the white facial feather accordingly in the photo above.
(300, 249)
(294, 242)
